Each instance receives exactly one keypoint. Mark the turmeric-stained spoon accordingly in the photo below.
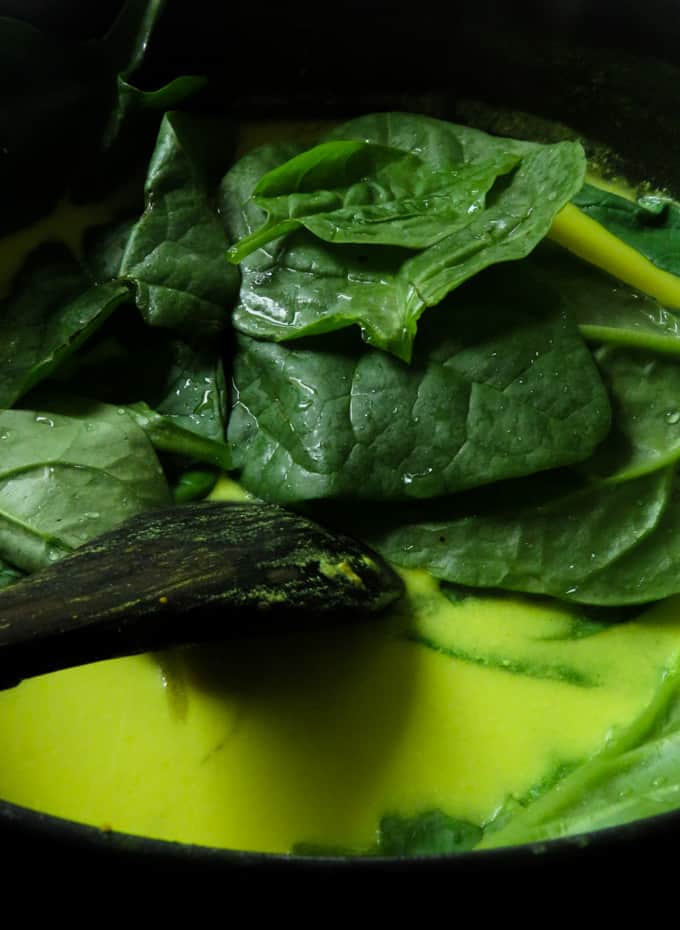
(184, 575)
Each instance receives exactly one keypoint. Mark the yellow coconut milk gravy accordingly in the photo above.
(451, 705)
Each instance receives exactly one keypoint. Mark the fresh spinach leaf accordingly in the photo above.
(651, 225)
(605, 309)
(126, 41)
(501, 385)
(608, 541)
(167, 436)
(541, 543)
(299, 287)
(104, 247)
(515, 220)
(362, 193)
(175, 254)
(70, 469)
(124, 47)
(645, 390)
(128, 362)
(50, 313)
(440, 142)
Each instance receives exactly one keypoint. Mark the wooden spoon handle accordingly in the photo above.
(186, 574)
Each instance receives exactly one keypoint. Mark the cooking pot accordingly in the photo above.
(606, 69)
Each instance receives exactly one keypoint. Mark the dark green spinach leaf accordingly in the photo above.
(298, 287)
(167, 436)
(605, 309)
(651, 225)
(50, 313)
(176, 253)
(440, 142)
(610, 541)
(128, 362)
(362, 193)
(432, 833)
(501, 385)
(71, 469)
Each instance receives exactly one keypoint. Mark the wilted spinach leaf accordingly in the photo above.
(432, 833)
(634, 776)
(501, 385)
(553, 543)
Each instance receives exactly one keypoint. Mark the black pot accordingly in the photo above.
(607, 69)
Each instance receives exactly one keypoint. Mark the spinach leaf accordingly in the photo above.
(167, 436)
(126, 42)
(432, 833)
(533, 539)
(104, 247)
(605, 309)
(50, 313)
(517, 217)
(501, 385)
(300, 287)
(651, 225)
(124, 47)
(175, 254)
(359, 192)
(440, 142)
(70, 470)
(129, 362)
(610, 541)
(645, 389)
(634, 776)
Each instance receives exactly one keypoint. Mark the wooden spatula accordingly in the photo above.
(183, 575)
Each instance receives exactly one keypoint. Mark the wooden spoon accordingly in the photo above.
(184, 575)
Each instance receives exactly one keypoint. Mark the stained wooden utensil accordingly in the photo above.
(182, 575)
